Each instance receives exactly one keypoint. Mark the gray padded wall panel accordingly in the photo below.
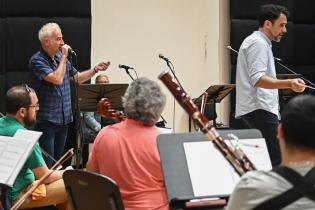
(16, 78)
(56, 8)
(304, 44)
(304, 11)
(2, 46)
(2, 93)
(22, 41)
(248, 9)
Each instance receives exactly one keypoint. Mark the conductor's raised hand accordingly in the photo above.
(101, 66)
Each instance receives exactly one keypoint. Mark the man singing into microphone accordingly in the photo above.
(50, 75)
(256, 83)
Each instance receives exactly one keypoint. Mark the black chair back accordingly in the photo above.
(92, 191)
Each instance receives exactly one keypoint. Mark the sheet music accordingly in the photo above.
(14, 151)
(210, 172)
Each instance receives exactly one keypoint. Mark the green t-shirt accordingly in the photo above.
(8, 127)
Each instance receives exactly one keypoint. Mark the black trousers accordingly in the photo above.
(267, 123)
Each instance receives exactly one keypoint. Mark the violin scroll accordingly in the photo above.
(105, 110)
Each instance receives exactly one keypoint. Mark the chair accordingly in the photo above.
(92, 191)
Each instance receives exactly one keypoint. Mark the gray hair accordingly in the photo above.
(47, 30)
(144, 101)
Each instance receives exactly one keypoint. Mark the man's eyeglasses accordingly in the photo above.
(35, 106)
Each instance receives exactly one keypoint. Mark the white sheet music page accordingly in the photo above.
(14, 151)
(211, 174)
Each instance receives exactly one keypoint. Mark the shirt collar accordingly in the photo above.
(47, 56)
(264, 36)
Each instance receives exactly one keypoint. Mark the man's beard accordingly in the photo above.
(28, 122)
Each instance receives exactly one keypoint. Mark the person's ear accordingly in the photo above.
(22, 112)
(46, 41)
(268, 24)
(280, 132)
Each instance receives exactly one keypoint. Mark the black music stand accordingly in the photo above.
(286, 94)
(90, 94)
(175, 167)
(215, 94)
(88, 97)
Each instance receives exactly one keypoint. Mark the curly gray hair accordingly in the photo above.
(144, 101)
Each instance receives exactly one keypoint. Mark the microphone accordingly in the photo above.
(164, 58)
(278, 59)
(71, 52)
(125, 67)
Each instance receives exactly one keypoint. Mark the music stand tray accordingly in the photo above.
(90, 94)
(174, 165)
(288, 76)
(216, 93)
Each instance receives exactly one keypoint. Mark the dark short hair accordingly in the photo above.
(298, 121)
(18, 97)
(271, 12)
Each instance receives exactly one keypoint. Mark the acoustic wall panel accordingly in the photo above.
(40, 8)
(2, 45)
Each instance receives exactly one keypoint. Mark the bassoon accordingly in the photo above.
(235, 156)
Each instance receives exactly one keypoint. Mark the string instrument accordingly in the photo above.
(235, 156)
(55, 167)
(104, 108)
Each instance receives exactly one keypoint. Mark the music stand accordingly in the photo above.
(175, 168)
(215, 94)
(90, 94)
(88, 98)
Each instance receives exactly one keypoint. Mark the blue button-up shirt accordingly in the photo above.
(255, 59)
(54, 100)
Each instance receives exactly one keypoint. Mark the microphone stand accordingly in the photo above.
(127, 71)
(79, 144)
(279, 62)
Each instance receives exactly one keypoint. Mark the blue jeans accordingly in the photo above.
(267, 123)
(53, 140)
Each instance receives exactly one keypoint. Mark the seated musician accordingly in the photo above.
(22, 106)
(259, 189)
(93, 121)
(127, 151)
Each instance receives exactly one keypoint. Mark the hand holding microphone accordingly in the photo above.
(66, 50)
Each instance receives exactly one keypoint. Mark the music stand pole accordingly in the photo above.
(4, 197)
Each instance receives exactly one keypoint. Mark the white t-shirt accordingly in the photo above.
(256, 187)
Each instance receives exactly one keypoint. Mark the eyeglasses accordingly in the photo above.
(35, 106)
(28, 89)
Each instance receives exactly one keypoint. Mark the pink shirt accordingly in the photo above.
(127, 152)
